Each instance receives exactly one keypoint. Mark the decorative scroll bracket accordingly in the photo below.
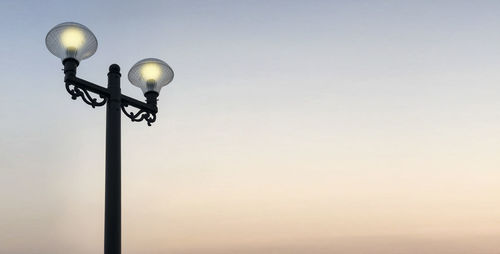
(76, 92)
(140, 115)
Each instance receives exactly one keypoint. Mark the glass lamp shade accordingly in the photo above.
(150, 75)
(71, 40)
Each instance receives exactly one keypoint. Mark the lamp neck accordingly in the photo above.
(151, 97)
(70, 65)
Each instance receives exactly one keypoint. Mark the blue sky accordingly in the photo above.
(290, 127)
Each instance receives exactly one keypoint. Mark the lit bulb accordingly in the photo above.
(72, 38)
(151, 72)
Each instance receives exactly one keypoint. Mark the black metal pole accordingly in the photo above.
(112, 217)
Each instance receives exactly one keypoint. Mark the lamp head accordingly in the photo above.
(150, 75)
(71, 40)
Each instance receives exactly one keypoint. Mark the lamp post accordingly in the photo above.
(73, 42)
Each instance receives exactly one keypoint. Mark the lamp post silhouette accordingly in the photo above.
(72, 43)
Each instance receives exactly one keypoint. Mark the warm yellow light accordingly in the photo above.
(151, 71)
(72, 38)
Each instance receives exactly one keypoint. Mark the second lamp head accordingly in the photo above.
(150, 75)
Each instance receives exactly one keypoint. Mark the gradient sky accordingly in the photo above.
(290, 127)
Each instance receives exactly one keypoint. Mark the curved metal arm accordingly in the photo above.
(76, 92)
(77, 87)
(140, 115)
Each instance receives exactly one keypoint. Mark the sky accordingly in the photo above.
(290, 127)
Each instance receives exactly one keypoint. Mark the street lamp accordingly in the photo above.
(72, 43)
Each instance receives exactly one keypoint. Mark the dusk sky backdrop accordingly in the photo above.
(290, 127)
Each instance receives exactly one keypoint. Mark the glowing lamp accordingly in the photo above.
(71, 40)
(150, 75)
